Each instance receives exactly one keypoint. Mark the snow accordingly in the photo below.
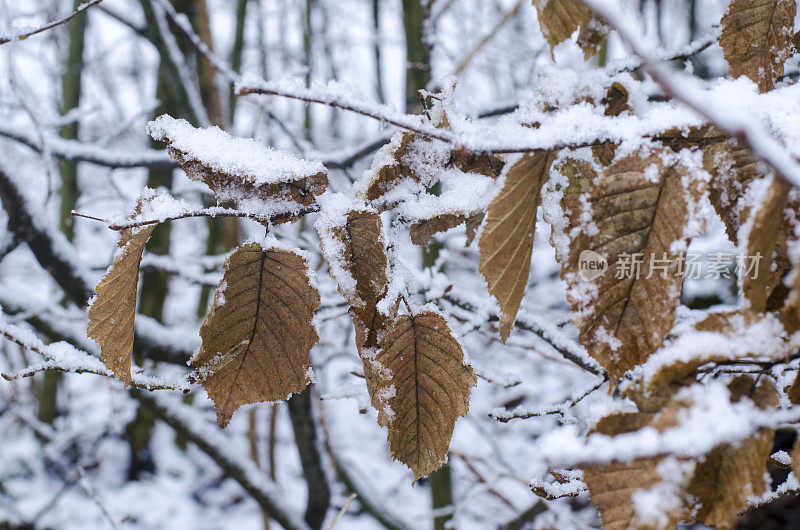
(763, 339)
(245, 158)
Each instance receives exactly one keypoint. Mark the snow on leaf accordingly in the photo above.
(613, 485)
(732, 168)
(389, 167)
(113, 308)
(239, 169)
(424, 386)
(258, 334)
(633, 216)
(730, 474)
(507, 239)
(721, 336)
(757, 39)
(352, 243)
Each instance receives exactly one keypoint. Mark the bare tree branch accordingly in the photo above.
(23, 36)
(213, 211)
(212, 442)
(76, 151)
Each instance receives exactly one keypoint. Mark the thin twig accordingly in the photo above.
(572, 353)
(23, 36)
(52, 363)
(84, 484)
(204, 212)
(510, 14)
(561, 408)
(342, 511)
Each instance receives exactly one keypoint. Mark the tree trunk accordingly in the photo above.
(70, 99)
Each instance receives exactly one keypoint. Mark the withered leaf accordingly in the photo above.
(356, 251)
(719, 484)
(240, 169)
(730, 327)
(392, 168)
(258, 334)
(757, 39)
(730, 474)
(796, 459)
(560, 18)
(639, 207)
(113, 310)
(763, 239)
(612, 485)
(410, 158)
(422, 231)
(478, 163)
(732, 168)
(423, 387)
(506, 243)
(786, 295)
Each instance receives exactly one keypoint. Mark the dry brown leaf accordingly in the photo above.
(790, 284)
(294, 180)
(728, 325)
(422, 231)
(721, 482)
(357, 248)
(113, 310)
(423, 387)
(730, 474)
(796, 458)
(757, 39)
(507, 239)
(560, 18)
(764, 237)
(478, 163)
(732, 168)
(638, 206)
(388, 175)
(612, 485)
(258, 334)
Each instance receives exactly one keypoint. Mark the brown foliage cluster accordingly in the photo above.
(258, 334)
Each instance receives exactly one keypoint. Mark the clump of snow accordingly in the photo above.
(246, 158)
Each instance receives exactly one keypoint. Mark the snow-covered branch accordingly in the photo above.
(747, 128)
(64, 357)
(77, 151)
(29, 33)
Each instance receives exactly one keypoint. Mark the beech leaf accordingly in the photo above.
(506, 243)
(422, 387)
(756, 39)
(113, 309)
(422, 231)
(240, 169)
(560, 18)
(763, 238)
(730, 474)
(639, 208)
(258, 334)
